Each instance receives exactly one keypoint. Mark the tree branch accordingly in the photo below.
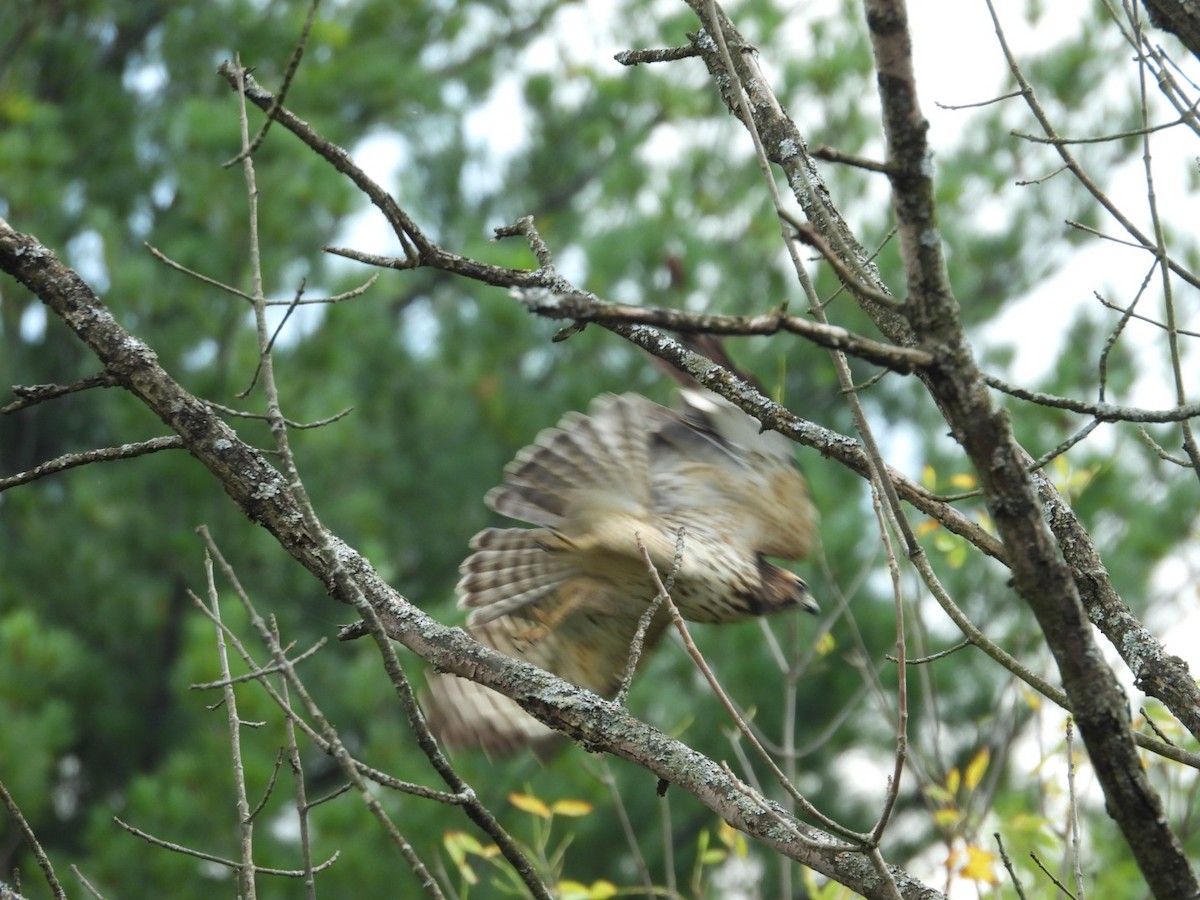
(1162, 673)
(104, 454)
(583, 308)
(1103, 412)
(1040, 574)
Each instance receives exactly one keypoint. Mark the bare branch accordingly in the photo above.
(32, 842)
(40, 393)
(1101, 412)
(584, 308)
(105, 454)
(655, 55)
(219, 860)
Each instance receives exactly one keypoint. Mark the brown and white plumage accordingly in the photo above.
(567, 594)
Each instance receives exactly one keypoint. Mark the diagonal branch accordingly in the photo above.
(104, 454)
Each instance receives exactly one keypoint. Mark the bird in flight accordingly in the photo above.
(603, 491)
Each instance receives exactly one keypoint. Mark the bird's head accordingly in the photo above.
(781, 590)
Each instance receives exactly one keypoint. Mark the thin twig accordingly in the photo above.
(298, 789)
(104, 454)
(1012, 874)
(32, 842)
(192, 273)
(1073, 810)
(730, 708)
(1058, 884)
(87, 885)
(643, 626)
(246, 867)
(941, 654)
(30, 395)
(219, 860)
(257, 674)
(288, 75)
(291, 423)
(1102, 412)
(320, 741)
(832, 154)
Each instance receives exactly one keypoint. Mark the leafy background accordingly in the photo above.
(113, 131)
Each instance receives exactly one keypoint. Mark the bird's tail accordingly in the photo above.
(466, 715)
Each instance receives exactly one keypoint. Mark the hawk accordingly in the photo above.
(567, 594)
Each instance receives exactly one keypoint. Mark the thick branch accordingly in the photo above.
(1180, 17)
(1040, 574)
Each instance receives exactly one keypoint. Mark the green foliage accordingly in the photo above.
(113, 131)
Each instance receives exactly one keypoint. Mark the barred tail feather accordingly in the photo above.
(510, 569)
(466, 715)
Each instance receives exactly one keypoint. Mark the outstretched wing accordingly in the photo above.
(566, 596)
(714, 469)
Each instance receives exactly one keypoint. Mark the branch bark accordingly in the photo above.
(1180, 17)
(1040, 573)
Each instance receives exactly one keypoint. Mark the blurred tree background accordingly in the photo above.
(113, 131)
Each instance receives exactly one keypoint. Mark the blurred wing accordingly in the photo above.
(713, 469)
(584, 464)
(567, 595)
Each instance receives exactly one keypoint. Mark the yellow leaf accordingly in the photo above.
(953, 780)
(726, 833)
(927, 527)
(978, 866)
(928, 477)
(977, 767)
(733, 839)
(826, 644)
(602, 890)
(571, 807)
(939, 795)
(571, 890)
(458, 844)
(964, 481)
(529, 804)
(947, 817)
